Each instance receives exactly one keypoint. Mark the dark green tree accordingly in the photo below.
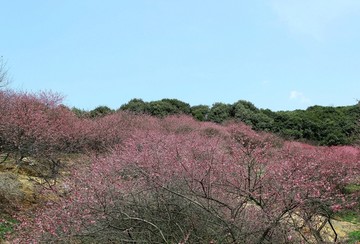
(162, 108)
(220, 112)
(100, 111)
(247, 112)
(200, 112)
(181, 106)
(137, 106)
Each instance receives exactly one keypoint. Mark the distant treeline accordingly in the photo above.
(321, 125)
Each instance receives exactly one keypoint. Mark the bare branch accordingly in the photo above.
(4, 75)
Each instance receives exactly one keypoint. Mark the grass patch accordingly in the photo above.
(352, 188)
(6, 226)
(349, 216)
(354, 237)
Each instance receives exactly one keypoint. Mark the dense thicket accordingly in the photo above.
(318, 124)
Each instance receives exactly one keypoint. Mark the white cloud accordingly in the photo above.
(299, 96)
(314, 18)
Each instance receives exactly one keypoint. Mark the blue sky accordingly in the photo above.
(278, 54)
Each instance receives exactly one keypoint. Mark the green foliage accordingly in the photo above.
(323, 125)
(162, 108)
(135, 105)
(159, 108)
(220, 112)
(247, 112)
(349, 215)
(100, 111)
(181, 107)
(200, 112)
(352, 188)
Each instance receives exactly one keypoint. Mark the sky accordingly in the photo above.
(277, 54)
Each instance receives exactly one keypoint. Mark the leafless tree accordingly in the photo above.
(4, 75)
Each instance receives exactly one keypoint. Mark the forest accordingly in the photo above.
(168, 172)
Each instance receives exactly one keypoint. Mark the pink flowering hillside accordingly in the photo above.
(136, 178)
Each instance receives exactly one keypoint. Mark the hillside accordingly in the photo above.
(115, 177)
(318, 125)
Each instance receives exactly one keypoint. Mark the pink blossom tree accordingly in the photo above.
(198, 183)
(34, 125)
